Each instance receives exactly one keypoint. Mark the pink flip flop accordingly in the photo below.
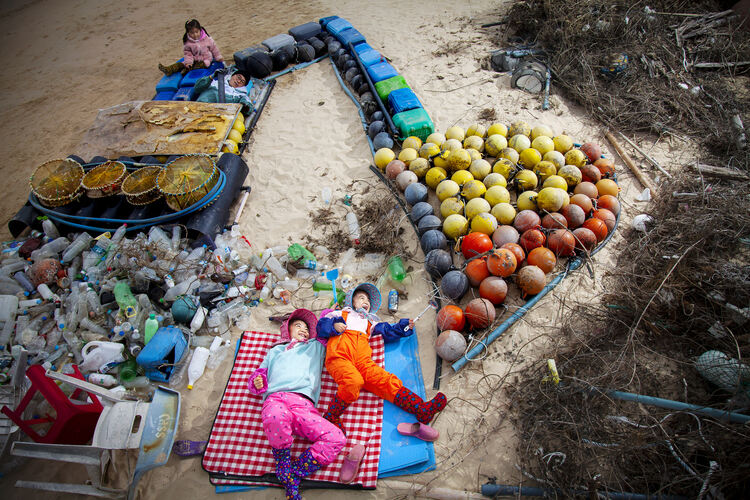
(418, 430)
(350, 467)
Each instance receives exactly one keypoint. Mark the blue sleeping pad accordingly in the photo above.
(182, 94)
(164, 95)
(403, 100)
(196, 74)
(338, 25)
(348, 36)
(370, 57)
(381, 71)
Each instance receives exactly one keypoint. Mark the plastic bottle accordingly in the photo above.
(157, 236)
(125, 299)
(8, 307)
(101, 379)
(353, 227)
(152, 325)
(50, 249)
(12, 267)
(138, 383)
(6, 333)
(101, 356)
(175, 243)
(326, 195)
(50, 230)
(127, 371)
(74, 344)
(274, 265)
(97, 252)
(79, 244)
(10, 287)
(218, 352)
(197, 322)
(22, 322)
(184, 287)
(46, 293)
(197, 365)
(91, 326)
(396, 270)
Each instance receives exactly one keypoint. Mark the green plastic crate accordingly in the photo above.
(385, 87)
(414, 122)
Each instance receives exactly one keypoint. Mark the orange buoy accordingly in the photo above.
(531, 280)
(609, 202)
(476, 270)
(451, 317)
(607, 216)
(561, 242)
(480, 313)
(517, 251)
(543, 258)
(494, 289)
(502, 262)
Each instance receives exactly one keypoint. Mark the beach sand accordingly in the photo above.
(66, 60)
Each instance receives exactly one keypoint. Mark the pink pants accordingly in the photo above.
(286, 414)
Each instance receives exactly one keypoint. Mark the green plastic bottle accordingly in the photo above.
(128, 370)
(396, 269)
(150, 328)
(125, 299)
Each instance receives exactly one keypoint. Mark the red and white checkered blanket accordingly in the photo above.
(238, 452)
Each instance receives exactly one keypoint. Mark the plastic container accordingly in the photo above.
(381, 71)
(350, 35)
(396, 270)
(353, 227)
(101, 356)
(198, 319)
(197, 365)
(127, 371)
(370, 57)
(125, 299)
(403, 100)
(98, 251)
(326, 195)
(414, 122)
(273, 265)
(50, 230)
(8, 307)
(101, 379)
(150, 328)
(50, 249)
(78, 245)
(385, 87)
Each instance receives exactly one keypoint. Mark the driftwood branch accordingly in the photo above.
(640, 174)
(720, 172)
(645, 155)
(713, 65)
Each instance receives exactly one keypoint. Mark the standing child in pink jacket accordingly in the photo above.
(199, 50)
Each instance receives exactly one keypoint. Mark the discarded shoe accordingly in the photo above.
(350, 467)
(187, 448)
(418, 430)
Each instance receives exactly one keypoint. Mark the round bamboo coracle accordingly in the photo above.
(57, 182)
(187, 179)
(140, 188)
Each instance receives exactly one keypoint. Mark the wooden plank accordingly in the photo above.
(720, 172)
(640, 174)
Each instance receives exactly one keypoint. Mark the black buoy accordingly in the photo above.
(375, 128)
(259, 64)
(438, 262)
(280, 59)
(305, 52)
(350, 74)
(378, 115)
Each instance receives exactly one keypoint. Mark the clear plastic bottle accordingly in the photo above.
(274, 265)
(175, 243)
(326, 195)
(6, 333)
(74, 344)
(353, 227)
(93, 327)
(98, 251)
(78, 245)
(50, 249)
(184, 287)
(197, 365)
(101, 379)
(197, 322)
(50, 230)
(12, 267)
(158, 237)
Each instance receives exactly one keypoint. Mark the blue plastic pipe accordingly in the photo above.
(293, 68)
(502, 490)
(738, 418)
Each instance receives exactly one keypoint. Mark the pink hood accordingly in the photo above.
(203, 49)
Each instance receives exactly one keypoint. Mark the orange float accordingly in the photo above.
(480, 313)
(451, 317)
(517, 250)
(531, 280)
(609, 202)
(543, 258)
(476, 270)
(474, 244)
(607, 216)
(561, 242)
(494, 289)
(502, 262)
(598, 227)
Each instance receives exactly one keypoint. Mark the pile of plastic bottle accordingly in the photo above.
(98, 301)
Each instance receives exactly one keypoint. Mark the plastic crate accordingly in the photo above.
(305, 31)
(338, 25)
(381, 71)
(403, 100)
(182, 94)
(164, 95)
(350, 35)
(370, 57)
(385, 87)
(414, 122)
(169, 83)
(325, 20)
(196, 74)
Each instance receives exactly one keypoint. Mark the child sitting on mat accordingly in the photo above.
(199, 50)
(349, 359)
(289, 380)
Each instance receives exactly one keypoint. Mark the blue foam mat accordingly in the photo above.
(399, 455)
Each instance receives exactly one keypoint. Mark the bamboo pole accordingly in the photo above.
(640, 174)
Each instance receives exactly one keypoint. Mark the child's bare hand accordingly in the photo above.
(339, 327)
(258, 382)
(411, 323)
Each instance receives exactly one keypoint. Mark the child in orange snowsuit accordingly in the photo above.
(349, 357)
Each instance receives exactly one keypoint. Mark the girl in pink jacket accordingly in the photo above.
(199, 50)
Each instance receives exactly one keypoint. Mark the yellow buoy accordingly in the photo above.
(484, 223)
(576, 157)
(495, 179)
(526, 201)
(497, 194)
(571, 174)
(460, 159)
(452, 145)
(541, 131)
(543, 144)
(494, 144)
(529, 157)
(504, 167)
(441, 160)
(563, 143)
(509, 154)
(230, 147)
(475, 155)
(407, 155)
(451, 206)
(519, 127)
(455, 132)
(480, 168)
(519, 142)
(526, 180)
(455, 225)
(428, 150)
(446, 189)
(497, 128)
(419, 166)
(436, 138)
(550, 199)
(434, 176)
(555, 181)
(504, 213)
(412, 142)
(476, 130)
(235, 135)
(239, 125)
(473, 189)
(474, 142)
(544, 169)
(383, 157)
(461, 177)
(555, 157)
(476, 206)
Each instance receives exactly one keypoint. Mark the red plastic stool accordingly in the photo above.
(75, 421)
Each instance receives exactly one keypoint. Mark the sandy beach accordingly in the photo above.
(69, 59)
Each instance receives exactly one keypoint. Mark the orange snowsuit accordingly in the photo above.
(349, 361)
